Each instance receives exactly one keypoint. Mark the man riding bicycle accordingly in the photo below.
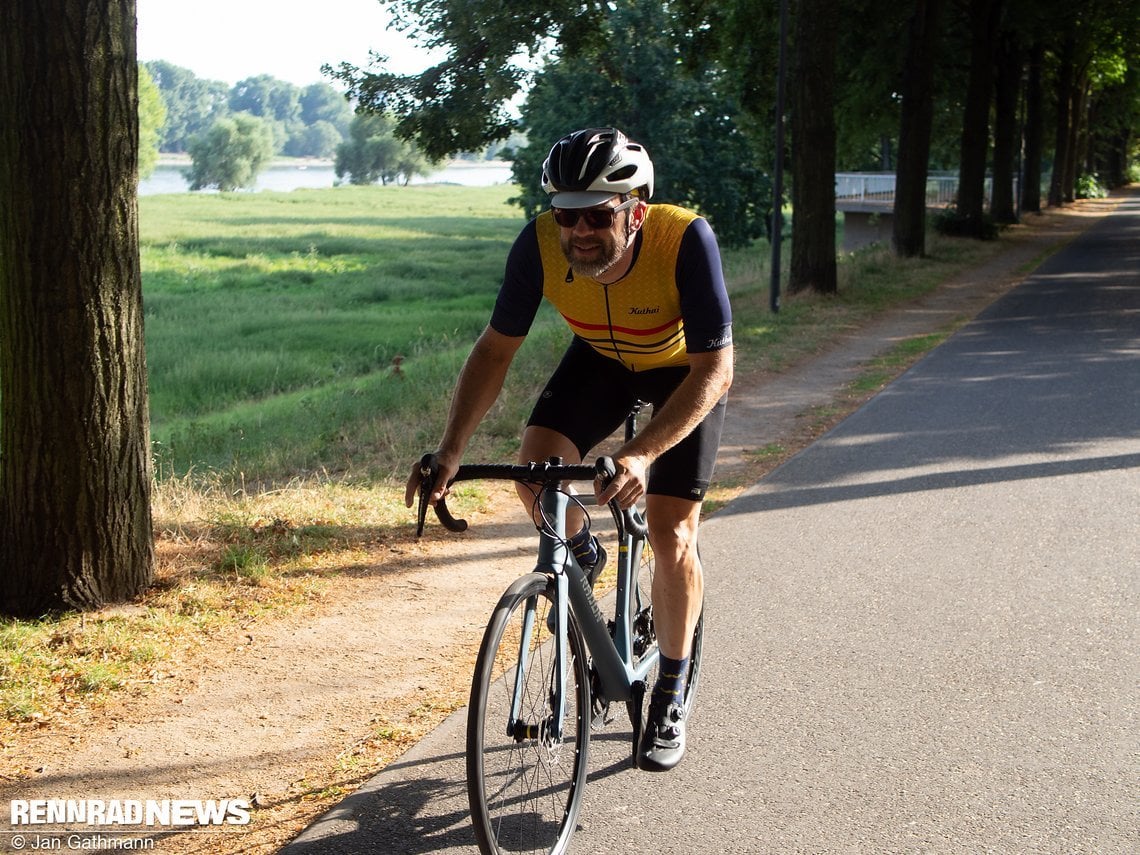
(642, 289)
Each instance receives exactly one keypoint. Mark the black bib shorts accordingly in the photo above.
(588, 397)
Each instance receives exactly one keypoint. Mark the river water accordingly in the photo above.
(168, 178)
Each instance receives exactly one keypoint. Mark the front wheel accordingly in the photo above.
(524, 778)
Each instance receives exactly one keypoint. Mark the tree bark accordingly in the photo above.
(1076, 137)
(1065, 77)
(75, 472)
(975, 118)
(1034, 132)
(917, 115)
(1005, 128)
(813, 263)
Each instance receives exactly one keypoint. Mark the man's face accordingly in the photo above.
(592, 251)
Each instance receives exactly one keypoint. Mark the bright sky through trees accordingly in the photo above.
(230, 40)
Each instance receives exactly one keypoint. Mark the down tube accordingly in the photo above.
(616, 676)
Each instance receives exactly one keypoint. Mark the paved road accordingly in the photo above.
(922, 629)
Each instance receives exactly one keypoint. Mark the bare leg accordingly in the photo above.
(539, 444)
(678, 583)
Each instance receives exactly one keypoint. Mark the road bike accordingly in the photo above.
(551, 662)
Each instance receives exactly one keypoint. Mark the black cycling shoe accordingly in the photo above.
(599, 564)
(663, 742)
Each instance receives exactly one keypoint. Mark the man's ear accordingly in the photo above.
(637, 214)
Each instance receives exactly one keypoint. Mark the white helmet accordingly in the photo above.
(588, 167)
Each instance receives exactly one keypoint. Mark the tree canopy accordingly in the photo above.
(692, 131)
(373, 153)
(1087, 55)
(230, 155)
(305, 121)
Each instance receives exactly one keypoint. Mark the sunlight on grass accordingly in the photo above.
(302, 348)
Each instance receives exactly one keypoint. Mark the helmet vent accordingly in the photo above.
(622, 174)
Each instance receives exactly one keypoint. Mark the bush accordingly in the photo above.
(373, 153)
(953, 223)
(231, 154)
(1089, 187)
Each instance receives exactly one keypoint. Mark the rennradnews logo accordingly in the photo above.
(125, 812)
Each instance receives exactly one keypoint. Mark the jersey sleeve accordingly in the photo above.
(521, 292)
(704, 297)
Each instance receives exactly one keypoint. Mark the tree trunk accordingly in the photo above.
(1034, 132)
(1005, 128)
(75, 475)
(813, 148)
(1061, 140)
(917, 114)
(975, 118)
(1076, 137)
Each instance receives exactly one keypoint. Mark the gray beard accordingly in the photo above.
(594, 269)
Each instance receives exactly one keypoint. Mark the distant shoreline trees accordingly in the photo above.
(307, 121)
(232, 133)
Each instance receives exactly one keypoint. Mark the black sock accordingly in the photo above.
(670, 686)
(585, 548)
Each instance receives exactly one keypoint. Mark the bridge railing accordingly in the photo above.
(879, 188)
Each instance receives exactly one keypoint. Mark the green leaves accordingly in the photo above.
(231, 154)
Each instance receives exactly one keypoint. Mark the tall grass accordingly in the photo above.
(320, 331)
(313, 330)
(273, 324)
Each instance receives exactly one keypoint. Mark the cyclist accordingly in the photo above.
(642, 289)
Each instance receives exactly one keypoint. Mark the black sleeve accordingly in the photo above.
(521, 291)
(704, 298)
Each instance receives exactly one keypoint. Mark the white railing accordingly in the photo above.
(879, 188)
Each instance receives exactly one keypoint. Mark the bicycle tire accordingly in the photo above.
(525, 788)
(645, 634)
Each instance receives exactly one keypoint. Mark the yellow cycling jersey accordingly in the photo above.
(636, 320)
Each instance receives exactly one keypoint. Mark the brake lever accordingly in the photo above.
(623, 519)
(429, 473)
(429, 470)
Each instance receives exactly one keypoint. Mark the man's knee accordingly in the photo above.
(673, 526)
(541, 443)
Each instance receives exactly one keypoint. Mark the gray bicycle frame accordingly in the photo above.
(613, 657)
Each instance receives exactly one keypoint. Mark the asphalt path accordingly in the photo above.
(922, 630)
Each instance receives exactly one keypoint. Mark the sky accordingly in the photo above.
(230, 40)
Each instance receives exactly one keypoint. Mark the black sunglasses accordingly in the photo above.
(596, 218)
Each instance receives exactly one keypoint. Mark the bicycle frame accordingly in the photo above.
(620, 679)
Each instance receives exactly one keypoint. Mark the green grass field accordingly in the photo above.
(318, 332)
(272, 323)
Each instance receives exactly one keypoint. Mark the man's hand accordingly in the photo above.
(628, 485)
(447, 469)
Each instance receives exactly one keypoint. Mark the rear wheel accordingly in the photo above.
(524, 778)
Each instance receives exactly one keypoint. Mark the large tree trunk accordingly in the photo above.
(1076, 137)
(75, 476)
(917, 114)
(1034, 132)
(1005, 128)
(975, 118)
(813, 148)
(1065, 75)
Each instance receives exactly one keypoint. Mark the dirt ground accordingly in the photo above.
(294, 713)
